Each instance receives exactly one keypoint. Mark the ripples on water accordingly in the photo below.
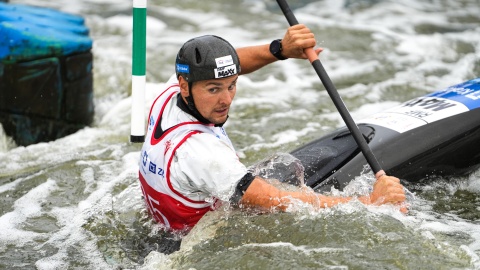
(75, 203)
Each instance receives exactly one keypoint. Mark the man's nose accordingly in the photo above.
(226, 97)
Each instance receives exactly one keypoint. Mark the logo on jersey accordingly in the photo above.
(152, 167)
(151, 123)
(161, 172)
(223, 131)
(168, 145)
(144, 158)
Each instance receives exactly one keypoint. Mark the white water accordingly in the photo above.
(68, 203)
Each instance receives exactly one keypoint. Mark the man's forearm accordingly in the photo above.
(260, 193)
(254, 57)
(318, 200)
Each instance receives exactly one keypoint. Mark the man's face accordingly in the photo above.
(213, 97)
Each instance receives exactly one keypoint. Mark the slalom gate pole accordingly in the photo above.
(139, 46)
(332, 91)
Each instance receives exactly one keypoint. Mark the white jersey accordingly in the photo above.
(188, 166)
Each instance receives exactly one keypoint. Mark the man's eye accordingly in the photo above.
(231, 87)
(213, 90)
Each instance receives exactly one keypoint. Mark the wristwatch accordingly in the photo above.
(276, 49)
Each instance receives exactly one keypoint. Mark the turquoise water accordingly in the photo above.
(75, 203)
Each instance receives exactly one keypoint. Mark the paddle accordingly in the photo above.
(337, 100)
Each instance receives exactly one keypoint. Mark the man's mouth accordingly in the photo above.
(222, 111)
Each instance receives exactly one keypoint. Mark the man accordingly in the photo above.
(188, 164)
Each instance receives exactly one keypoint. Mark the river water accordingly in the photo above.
(75, 203)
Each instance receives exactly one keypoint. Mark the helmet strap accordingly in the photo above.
(191, 102)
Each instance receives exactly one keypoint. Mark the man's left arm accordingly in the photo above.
(296, 39)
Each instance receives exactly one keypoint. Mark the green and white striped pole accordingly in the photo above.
(139, 47)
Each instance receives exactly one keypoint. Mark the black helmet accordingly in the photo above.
(205, 58)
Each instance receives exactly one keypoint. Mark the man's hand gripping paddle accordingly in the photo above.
(337, 100)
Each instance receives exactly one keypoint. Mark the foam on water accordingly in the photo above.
(406, 49)
(27, 206)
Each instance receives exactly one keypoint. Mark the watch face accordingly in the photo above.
(275, 46)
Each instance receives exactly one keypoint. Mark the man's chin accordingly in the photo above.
(220, 120)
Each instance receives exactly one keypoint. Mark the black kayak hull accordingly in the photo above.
(434, 135)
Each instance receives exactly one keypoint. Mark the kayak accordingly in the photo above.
(434, 135)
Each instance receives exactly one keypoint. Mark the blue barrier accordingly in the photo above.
(46, 80)
(32, 32)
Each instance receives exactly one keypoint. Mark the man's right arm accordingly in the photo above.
(296, 39)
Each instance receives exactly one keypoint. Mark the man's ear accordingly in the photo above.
(183, 86)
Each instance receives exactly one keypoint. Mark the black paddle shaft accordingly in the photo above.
(337, 100)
